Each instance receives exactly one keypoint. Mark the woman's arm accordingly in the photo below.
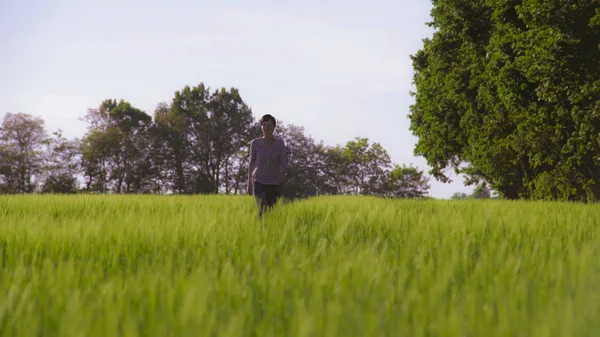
(251, 166)
(283, 158)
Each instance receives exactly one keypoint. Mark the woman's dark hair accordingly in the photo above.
(268, 117)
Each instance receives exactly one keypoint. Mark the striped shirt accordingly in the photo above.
(268, 165)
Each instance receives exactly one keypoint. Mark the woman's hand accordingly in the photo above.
(250, 188)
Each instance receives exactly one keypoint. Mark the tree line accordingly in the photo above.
(196, 144)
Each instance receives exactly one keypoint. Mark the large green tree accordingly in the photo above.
(507, 93)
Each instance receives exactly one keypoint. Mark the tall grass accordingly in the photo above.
(329, 266)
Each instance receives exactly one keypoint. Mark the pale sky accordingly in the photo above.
(339, 68)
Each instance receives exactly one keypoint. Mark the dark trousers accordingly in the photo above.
(266, 196)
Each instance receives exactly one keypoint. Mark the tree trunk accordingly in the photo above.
(227, 176)
(179, 178)
(217, 181)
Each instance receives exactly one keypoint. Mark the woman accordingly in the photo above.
(268, 166)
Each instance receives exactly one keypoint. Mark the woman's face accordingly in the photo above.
(267, 128)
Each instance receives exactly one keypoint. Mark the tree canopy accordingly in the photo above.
(508, 93)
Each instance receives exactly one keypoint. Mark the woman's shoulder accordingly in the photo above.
(278, 139)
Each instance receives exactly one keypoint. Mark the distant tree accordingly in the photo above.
(62, 154)
(115, 147)
(238, 179)
(205, 137)
(160, 158)
(460, 196)
(95, 161)
(61, 183)
(62, 162)
(482, 192)
(333, 169)
(230, 134)
(303, 178)
(507, 93)
(22, 139)
(406, 182)
(367, 165)
(169, 137)
(364, 169)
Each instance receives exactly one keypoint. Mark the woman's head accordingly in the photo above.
(267, 124)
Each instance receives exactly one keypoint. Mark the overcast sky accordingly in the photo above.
(341, 69)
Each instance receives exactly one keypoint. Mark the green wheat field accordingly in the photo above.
(326, 266)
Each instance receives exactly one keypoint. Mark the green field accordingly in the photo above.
(330, 266)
